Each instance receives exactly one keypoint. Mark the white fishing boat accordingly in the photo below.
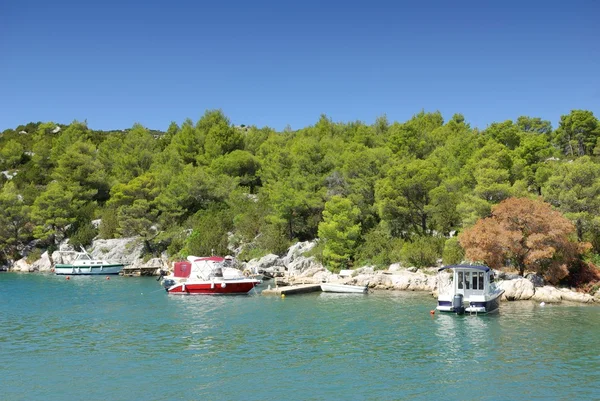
(84, 265)
(344, 288)
(468, 289)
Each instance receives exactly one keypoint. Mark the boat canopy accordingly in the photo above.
(475, 267)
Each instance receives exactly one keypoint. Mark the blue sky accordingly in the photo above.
(274, 63)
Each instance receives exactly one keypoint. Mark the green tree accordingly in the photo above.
(188, 143)
(210, 233)
(11, 154)
(339, 231)
(578, 133)
(53, 211)
(241, 165)
(574, 189)
(534, 125)
(135, 156)
(15, 228)
(403, 197)
(506, 133)
(80, 171)
(221, 136)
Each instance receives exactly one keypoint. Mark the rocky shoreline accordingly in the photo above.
(296, 268)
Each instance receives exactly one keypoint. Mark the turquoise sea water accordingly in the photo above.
(89, 338)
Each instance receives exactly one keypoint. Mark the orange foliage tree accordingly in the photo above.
(529, 235)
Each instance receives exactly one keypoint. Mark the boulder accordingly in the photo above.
(263, 263)
(43, 264)
(574, 296)
(364, 270)
(547, 294)
(301, 264)
(515, 290)
(22, 265)
(124, 250)
(296, 250)
(536, 280)
(323, 276)
(394, 267)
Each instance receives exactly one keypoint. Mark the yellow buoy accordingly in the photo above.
(282, 295)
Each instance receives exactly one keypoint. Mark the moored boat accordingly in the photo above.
(469, 289)
(344, 288)
(85, 265)
(207, 275)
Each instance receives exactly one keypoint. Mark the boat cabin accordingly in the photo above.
(470, 280)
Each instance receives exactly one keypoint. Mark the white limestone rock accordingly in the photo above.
(394, 267)
(301, 264)
(574, 296)
(297, 250)
(263, 263)
(515, 290)
(22, 266)
(43, 264)
(547, 294)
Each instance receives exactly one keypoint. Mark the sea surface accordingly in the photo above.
(89, 338)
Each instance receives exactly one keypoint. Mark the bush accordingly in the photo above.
(34, 255)
(423, 251)
(453, 252)
(83, 236)
(210, 234)
(109, 224)
(378, 248)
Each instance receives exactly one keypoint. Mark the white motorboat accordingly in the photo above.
(208, 275)
(84, 265)
(468, 289)
(344, 288)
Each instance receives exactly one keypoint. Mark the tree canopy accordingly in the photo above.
(374, 193)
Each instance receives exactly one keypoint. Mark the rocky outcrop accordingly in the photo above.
(515, 290)
(574, 296)
(547, 294)
(22, 266)
(296, 251)
(43, 264)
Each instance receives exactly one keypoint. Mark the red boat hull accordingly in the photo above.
(229, 287)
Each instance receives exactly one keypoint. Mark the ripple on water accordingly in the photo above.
(125, 338)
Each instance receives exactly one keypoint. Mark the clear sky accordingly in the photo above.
(274, 63)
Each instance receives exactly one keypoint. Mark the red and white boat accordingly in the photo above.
(208, 275)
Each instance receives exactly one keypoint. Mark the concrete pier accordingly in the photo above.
(292, 289)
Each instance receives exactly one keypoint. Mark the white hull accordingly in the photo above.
(343, 288)
(88, 270)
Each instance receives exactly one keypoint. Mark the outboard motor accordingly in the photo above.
(167, 283)
(457, 304)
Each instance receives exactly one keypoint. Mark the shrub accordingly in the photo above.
(379, 248)
(453, 252)
(423, 251)
(83, 236)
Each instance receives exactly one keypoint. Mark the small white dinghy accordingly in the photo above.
(344, 288)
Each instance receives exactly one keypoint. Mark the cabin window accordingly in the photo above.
(460, 280)
(481, 280)
(475, 287)
(467, 280)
